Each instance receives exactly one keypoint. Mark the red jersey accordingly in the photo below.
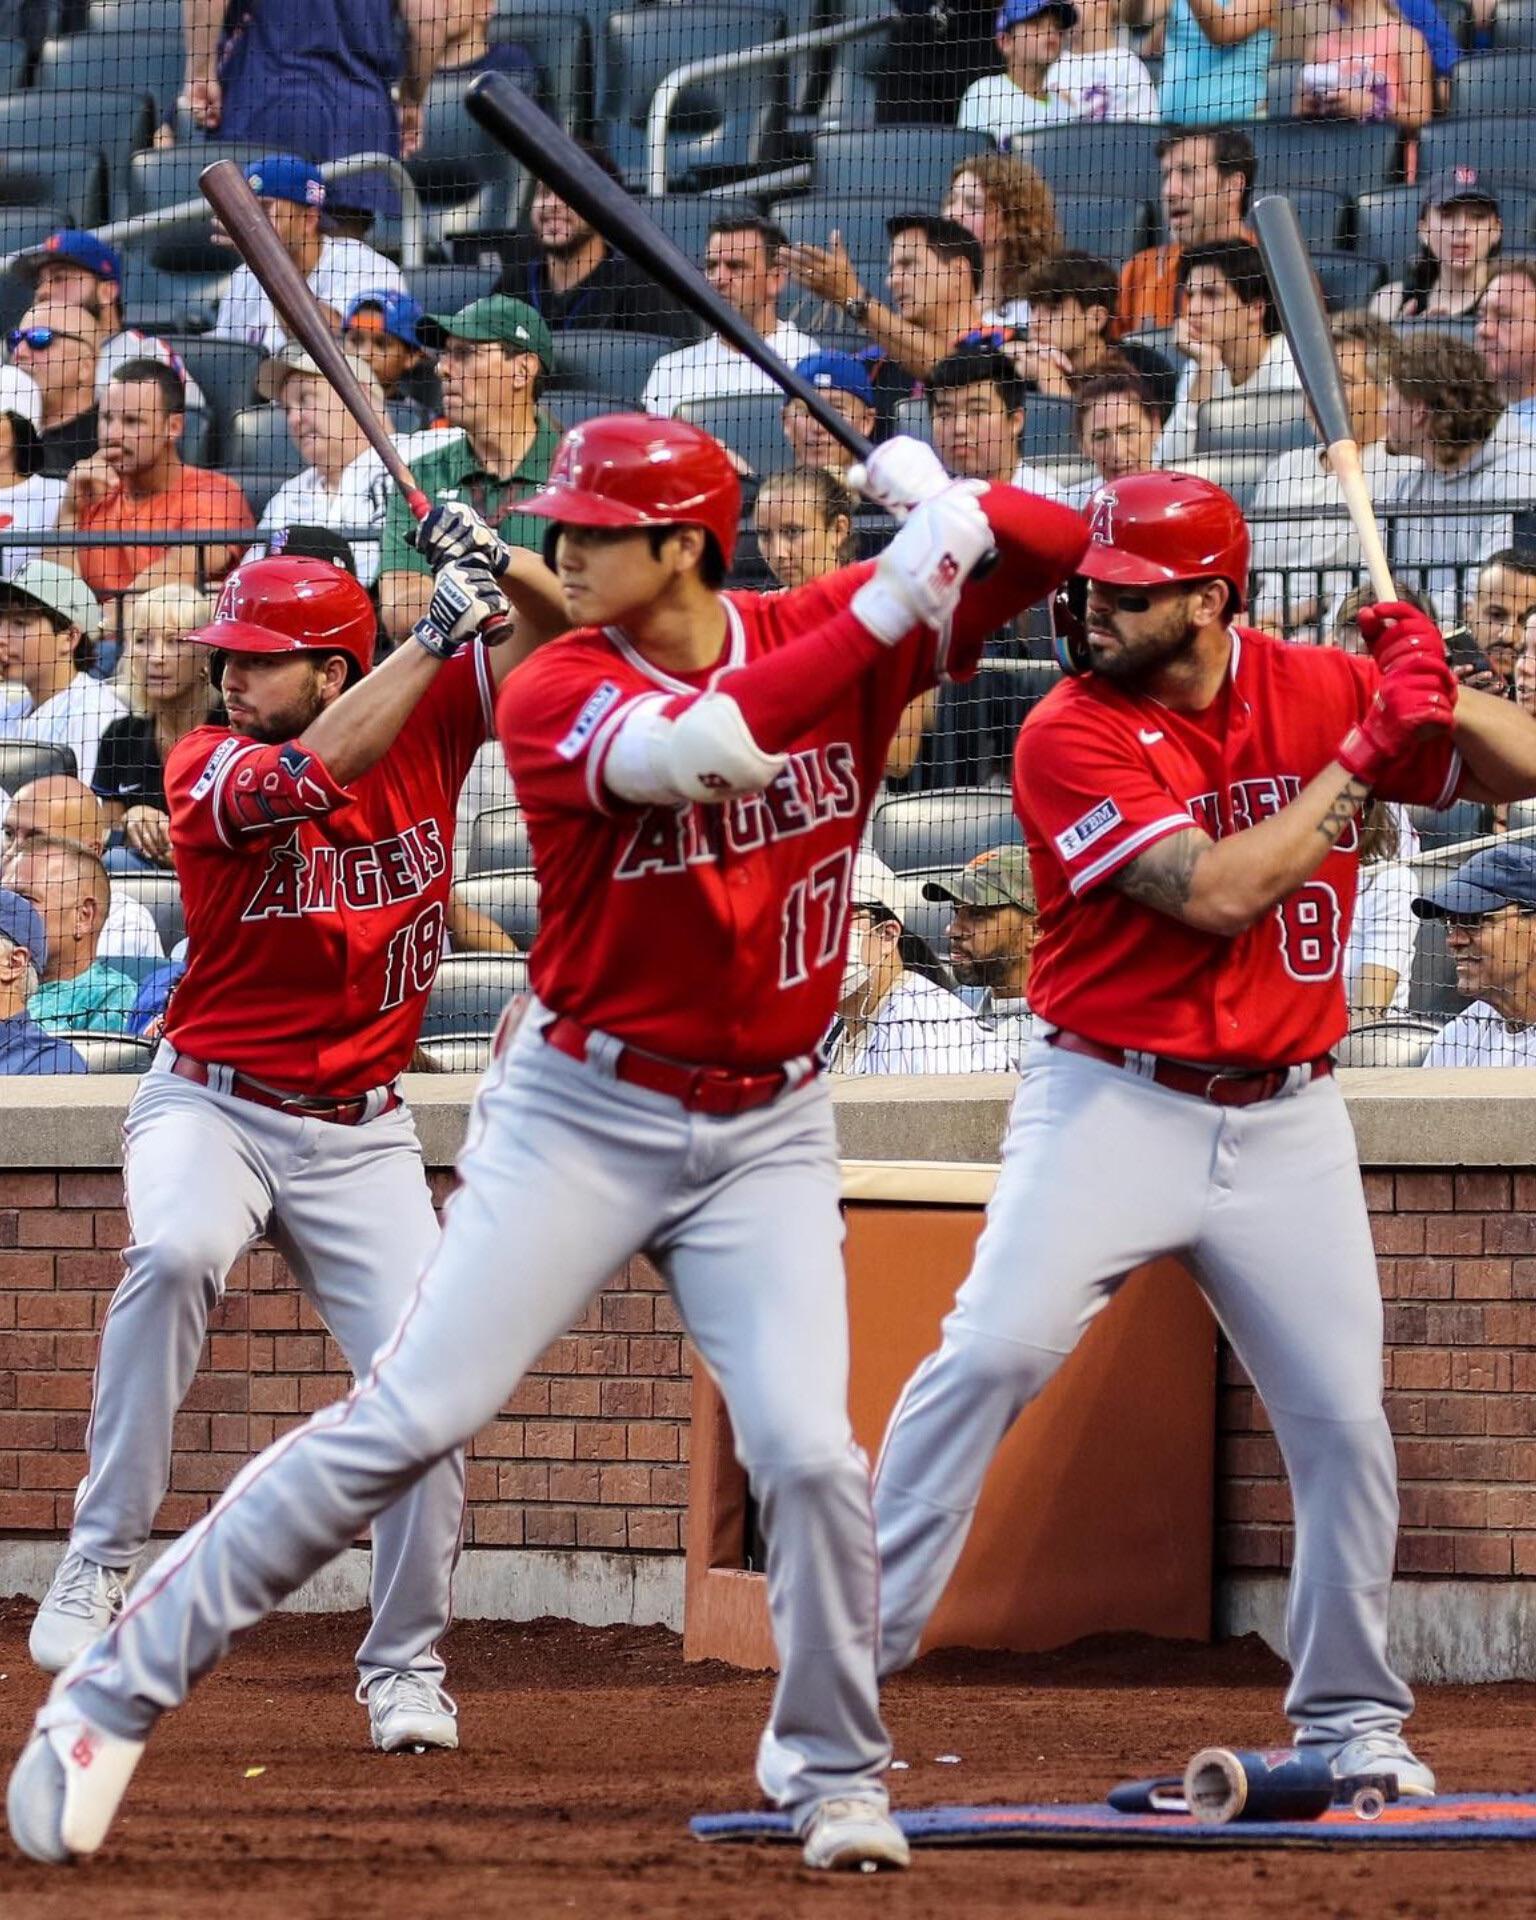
(716, 933)
(1101, 773)
(315, 913)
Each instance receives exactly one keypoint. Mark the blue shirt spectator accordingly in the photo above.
(24, 1046)
(1216, 56)
(1427, 18)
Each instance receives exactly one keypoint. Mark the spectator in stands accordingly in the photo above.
(976, 403)
(1525, 666)
(138, 483)
(1216, 56)
(1099, 76)
(1031, 36)
(991, 936)
(1007, 206)
(57, 344)
(846, 384)
(1230, 333)
(1502, 599)
(25, 1047)
(29, 498)
(1305, 551)
(1475, 468)
(1367, 64)
(1117, 429)
(897, 1013)
(57, 806)
(1378, 956)
(49, 621)
(69, 887)
(493, 355)
(164, 680)
(1460, 232)
(745, 261)
(381, 327)
(1207, 181)
(292, 195)
(1489, 909)
(468, 48)
(1072, 299)
(1506, 338)
(569, 273)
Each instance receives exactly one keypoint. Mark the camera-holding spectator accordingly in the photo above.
(846, 385)
(1072, 300)
(991, 937)
(1007, 206)
(1207, 182)
(896, 1013)
(380, 326)
(1305, 550)
(1506, 338)
(976, 402)
(1117, 430)
(30, 499)
(56, 344)
(337, 270)
(746, 262)
(26, 1047)
(1378, 956)
(1368, 64)
(1502, 600)
(569, 273)
(1489, 909)
(1216, 56)
(492, 357)
(57, 806)
(1099, 76)
(49, 621)
(1031, 37)
(68, 885)
(138, 483)
(1230, 333)
(1460, 232)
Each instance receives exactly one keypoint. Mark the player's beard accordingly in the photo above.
(1152, 649)
(569, 247)
(969, 971)
(279, 728)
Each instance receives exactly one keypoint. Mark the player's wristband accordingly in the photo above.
(442, 646)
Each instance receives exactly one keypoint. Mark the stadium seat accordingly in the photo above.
(199, 439)
(1515, 24)
(916, 161)
(1451, 826)
(135, 16)
(258, 484)
(510, 899)
(1494, 83)
(446, 289)
(1348, 279)
(466, 181)
(1047, 431)
(258, 439)
(30, 21)
(73, 179)
(470, 992)
(842, 87)
(112, 1052)
(1113, 157)
(574, 406)
(687, 217)
(1396, 1040)
(1267, 423)
(1494, 143)
(24, 760)
(1321, 153)
(942, 829)
(224, 369)
(1239, 473)
(1323, 216)
(117, 123)
(85, 63)
(599, 360)
(177, 275)
(498, 842)
(913, 421)
(1280, 88)
(165, 177)
(750, 424)
(859, 218)
(160, 893)
(466, 1053)
(1110, 226)
(562, 48)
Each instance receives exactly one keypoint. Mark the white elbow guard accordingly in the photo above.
(706, 753)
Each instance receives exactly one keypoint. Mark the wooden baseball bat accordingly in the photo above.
(1304, 317)
(228, 192)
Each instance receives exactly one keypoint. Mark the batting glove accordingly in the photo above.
(465, 598)
(900, 474)
(919, 577)
(1415, 699)
(454, 531)
(1392, 631)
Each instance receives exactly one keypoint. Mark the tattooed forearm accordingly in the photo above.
(1344, 811)
(1161, 877)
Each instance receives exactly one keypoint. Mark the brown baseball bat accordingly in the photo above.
(228, 192)
(1304, 318)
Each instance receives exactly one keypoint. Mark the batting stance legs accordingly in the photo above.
(1101, 1172)
(349, 1208)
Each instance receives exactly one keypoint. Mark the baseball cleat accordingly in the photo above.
(77, 1609)
(852, 1836)
(68, 1784)
(1384, 1753)
(408, 1713)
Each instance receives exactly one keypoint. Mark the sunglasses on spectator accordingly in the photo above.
(39, 339)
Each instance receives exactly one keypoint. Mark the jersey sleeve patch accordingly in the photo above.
(217, 760)
(1093, 825)
(598, 703)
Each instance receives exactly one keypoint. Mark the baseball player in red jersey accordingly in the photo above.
(696, 769)
(313, 842)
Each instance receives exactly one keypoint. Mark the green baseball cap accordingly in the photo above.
(497, 317)
(1000, 877)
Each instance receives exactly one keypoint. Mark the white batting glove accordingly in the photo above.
(465, 598)
(899, 475)
(918, 579)
(454, 531)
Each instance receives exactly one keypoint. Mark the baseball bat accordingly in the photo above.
(1299, 301)
(551, 155)
(228, 192)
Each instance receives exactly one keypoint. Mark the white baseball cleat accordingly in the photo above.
(408, 1713)
(854, 1835)
(82, 1602)
(1387, 1753)
(67, 1785)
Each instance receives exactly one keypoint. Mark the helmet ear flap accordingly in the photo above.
(216, 661)
(1069, 632)
(551, 540)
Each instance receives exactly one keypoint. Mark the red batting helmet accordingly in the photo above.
(292, 606)
(629, 470)
(1147, 530)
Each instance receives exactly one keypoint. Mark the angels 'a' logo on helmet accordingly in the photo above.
(1101, 527)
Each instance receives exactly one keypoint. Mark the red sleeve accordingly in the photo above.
(556, 716)
(1039, 542)
(225, 789)
(1089, 793)
(1431, 774)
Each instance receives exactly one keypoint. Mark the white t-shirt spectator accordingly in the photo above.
(1112, 85)
(360, 498)
(710, 369)
(1480, 1037)
(1383, 930)
(1275, 373)
(75, 718)
(921, 1028)
(994, 105)
(31, 506)
(345, 269)
(1037, 480)
(129, 930)
(1314, 540)
(1009, 1021)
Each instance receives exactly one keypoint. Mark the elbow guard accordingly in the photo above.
(706, 752)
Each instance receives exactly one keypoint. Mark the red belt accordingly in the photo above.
(1223, 1086)
(721, 1091)
(339, 1113)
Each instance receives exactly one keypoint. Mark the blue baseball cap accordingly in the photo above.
(283, 176)
(1497, 877)
(396, 314)
(1013, 13)
(838, 373)
(22, 925)
(74, 247)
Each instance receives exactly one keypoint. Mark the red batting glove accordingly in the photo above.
(1416, 698)
(1393, 630)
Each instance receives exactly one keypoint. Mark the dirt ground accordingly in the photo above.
(586, 1751)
